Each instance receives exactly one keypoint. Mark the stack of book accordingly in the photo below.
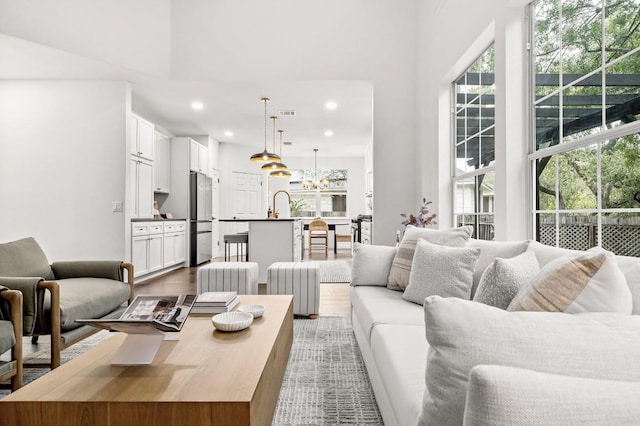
(215, 302)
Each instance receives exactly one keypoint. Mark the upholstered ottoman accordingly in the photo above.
(241, 277)
(300, 279)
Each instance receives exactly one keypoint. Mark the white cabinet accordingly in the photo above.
(141, 188)
(142, 133)
(365, 232)
(162, 164)
(174, 243)
(274, 241)
(146, 247)
(198, 157)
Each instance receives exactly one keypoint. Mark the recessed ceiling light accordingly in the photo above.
(328, 133)
(228, 133)
(197, 105)
(331, 105)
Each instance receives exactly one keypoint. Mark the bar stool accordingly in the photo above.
(241, 240)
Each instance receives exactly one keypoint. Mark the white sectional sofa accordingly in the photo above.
(391, 334)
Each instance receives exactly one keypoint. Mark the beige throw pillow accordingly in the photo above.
(504, 278)
(463, 334)
(401, 266)
(588, 282)
(442, 271)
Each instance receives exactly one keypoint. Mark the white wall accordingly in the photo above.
(467, 35)
(63, 160)
(134, 34)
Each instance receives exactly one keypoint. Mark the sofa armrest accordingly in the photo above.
(109, 269)
(32, 299)
(515, 396)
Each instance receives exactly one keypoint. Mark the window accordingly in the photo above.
(474, 145)
(324, 195)
(585, 58)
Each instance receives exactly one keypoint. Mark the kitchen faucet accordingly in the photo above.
(274, 200)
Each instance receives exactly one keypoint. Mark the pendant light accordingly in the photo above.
(284, 172)
(276, 164)
(265, 156)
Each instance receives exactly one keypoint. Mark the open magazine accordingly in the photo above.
(149, 314)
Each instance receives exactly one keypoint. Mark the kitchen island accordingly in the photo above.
(272, 240)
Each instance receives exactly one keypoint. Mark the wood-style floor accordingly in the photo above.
(334, 298)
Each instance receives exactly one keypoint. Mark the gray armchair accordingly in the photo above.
(11, 336)
(55, 295)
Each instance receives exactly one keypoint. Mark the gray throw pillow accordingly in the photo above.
(401, 266)
(440, 270)
(463, 334)
(371, 264)
(501, 395)
(504, 278)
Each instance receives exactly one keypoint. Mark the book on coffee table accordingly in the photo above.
(149, 314)
(215, 302)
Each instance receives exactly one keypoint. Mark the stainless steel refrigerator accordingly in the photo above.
(201, 242)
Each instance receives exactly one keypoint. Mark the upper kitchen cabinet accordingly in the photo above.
(199, 157)
(142, 137)
(162, 164)
(141, 188)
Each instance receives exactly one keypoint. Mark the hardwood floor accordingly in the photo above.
(335, 299)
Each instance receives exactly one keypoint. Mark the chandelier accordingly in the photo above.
(316, 183)
(265, 156)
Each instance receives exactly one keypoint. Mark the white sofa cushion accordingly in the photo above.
(400, 352)
(588, 282)
(401, 266)
(504, 278)
(499, 395)
(441, 270)
(463, 334)
(489, 251)
(371, 264)
(379, 305)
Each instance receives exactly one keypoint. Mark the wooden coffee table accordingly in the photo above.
(207, 377)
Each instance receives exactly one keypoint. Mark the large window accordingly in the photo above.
(585, 57)
(474, 146)
(318, 195)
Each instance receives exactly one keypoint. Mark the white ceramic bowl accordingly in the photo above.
(232, 321)
(255, 310)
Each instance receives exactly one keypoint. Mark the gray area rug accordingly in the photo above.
(325, 382)
(335, 271)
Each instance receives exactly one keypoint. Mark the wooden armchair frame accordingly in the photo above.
(15, 300)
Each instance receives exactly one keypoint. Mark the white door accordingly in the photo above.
(246, 190)
(215, 212)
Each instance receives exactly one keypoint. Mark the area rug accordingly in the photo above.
(325, 382)
(335, 271)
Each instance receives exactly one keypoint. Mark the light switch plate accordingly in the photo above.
(116, 206)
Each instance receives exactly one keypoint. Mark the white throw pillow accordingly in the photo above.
(401, 266)
(588, 282)
(440, 270)
(371, 264)
(489, 250)
(500, 395)
(463, 334)
(504, 278)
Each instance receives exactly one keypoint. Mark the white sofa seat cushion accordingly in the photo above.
(499, 395)
(379, 305)
(463, 334)
(400, 352)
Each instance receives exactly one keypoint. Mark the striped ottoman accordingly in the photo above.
(241, 277)
(300, 279)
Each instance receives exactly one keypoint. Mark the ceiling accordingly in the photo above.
(228, 106)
